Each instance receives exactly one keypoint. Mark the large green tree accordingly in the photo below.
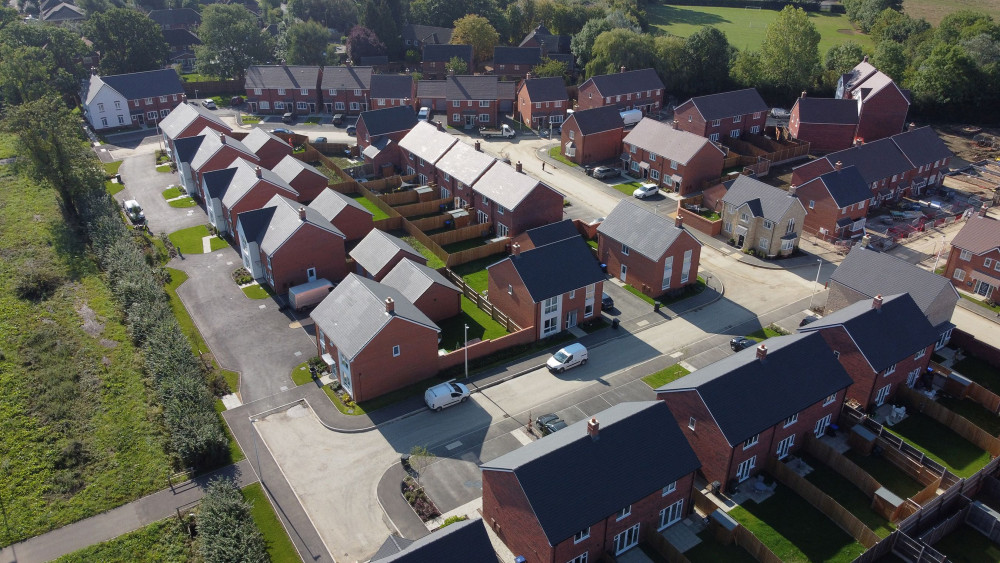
(378, 16)
(865, 12)
(948, 77)
(789, 54)
(128, 40)
(53, 54)
(745, 69)
(706, 54)
(306, 43)
(226, 530)
(341, 15)
(890, 58)
(27, 73)
(621, 48)
(231, 41)
(476, 30)
(582, 43)
(443, 13)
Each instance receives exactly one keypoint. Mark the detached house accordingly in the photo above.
(459, 542)
(214, 151)
(882, 105)
(542, 102)
(882, 343)
(426, 288)
(416, 35)
(393, 90)
(647, 251)
(727, 114)
(379, 252)
(472, 101)
(374, 340)
(672, 159)
(593, 135)
(188, 120)
(550, 44)
(436, 57)
(177, 18)
(762, 217)
(460, 168)
(865, 274)
(974, 262)
(278, 89)
(269, 148)
(515, 62)
(596, 487)
(421, 148)
(551, 287)
(635, 89)
(138, 98)
(836, 203)
(513, 201)
(308, 182)
(346, 89)
(285, 244)
(344, 213)
(827, 124)
(757, 404)
(181, 43)
(242, 186)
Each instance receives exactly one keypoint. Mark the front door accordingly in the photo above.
(821, 425)
(784, 446)
(311, 274)
(571, 319)
(882, 394)
(739, 241)
(743, 471)
(627, 540)
(312, 107)
(624, 272)
(470, 121)
(983, 288)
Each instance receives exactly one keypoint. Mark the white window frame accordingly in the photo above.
(987, 263)
(339, 106)
(713, 137)
(581, 535)
(357, 91)
(281, 91)
(737, 118)
(959, 274)
(484, 103)
(669, 489)
(623, 513)
(889, 370)
(692, 422)
(264, 104)
(965, 255)
(751, 441)
(395, 351)
(582, 558)
(790, 420)
(654, 174)
(456, 103)
(716, 122)
(827, 401)
(625, 249)
(920, 353)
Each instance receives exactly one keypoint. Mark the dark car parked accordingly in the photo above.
(741, 342)
(549, 423)
(607, 303)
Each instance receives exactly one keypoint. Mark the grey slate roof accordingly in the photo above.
(549, 89)
(884, 336)
(413, 279)
(182, 116)
(466, 87)
(427, 33)
(598, 120)
(388, 120)
(662, 139)
(553, 43)
(374, 60)
(187, 147)
(330, 203)
(391, 546)
(217, 181)
(176, 16)
(506, 90)
(149, 84)
(517, 55)
(625, 82)
(641, 230)
(430, 89)
(846, 186)
(278, 220)
(462, 542)
(378, 248)
(63, 11)
(258, 137)
(747, 396)
(426, 142)
(764, 200)
(875, 161)
(921, 146)
(347, 77)
(553, 232)
(213, 143)
(246, 179)
(180, 37)
(827, 111)
(289, 168)
(506, 186)
(464, 163)
(729, 104)
(354, 313)
(573, 481)
(979, 235)
(556, 268)
(391, 86)
(874, 273)
(444, 53)
(290, 77)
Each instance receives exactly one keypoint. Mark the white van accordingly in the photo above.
(570, 356)
(445, 395)
(631, 116)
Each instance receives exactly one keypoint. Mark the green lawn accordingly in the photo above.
(183, 203)
(744, 28)
(250, 119)
(979, 371)
(942, 445)
(711, 551)
(796, 531)
(456, 247)
(111, 168)
(481, 326)
(279, 546)
(886, 473)
(257, 291)
(113, 187)
(664, 376)
(848, 495)
(627, 187)
(556, 153)
(980, 302)
(765, 333)
(166, 540)
(196, 77)
(474, 273)
(163, 168)
(356, 411)
(966, 545)
(591, 243)
(377, 213)
(8, 145)
(188, 241)
(300, 374)
(640, 294)
(974, 413)
(432, 259)
(934, 10)
(172, 192)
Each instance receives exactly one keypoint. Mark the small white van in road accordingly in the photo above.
(570, 356)
(446, 395)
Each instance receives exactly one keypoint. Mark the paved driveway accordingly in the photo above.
(627, 306)
(145, 185)
(248, 335)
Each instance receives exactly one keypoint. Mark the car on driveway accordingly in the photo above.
(741, 343)
(549, 423)
(209, 104)
(607, 303)
(134, 212)
(446, 395)
(288, 117)
(352, 130)
(424, 114)
(645, 190)
(320, 140)
(602, 172)
(282, 130)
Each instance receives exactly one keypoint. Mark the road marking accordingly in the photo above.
(284, 388)
(298, 353)
(677, 354)
(521, 436)
(453, 445)
(230, 263)
(642, 323)
(262, 306)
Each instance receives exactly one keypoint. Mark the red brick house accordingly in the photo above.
(277, 89)
(514, 202)
(388, 343)
(126, 100)
(631, 460)
(756, 404)
(302, 177)
(882, 105)
(647, 251)
(634, 89)
(345, 213)
(421, 148)
(542, 102)
(974, 262)
(431, 94)
(727, 114)
(458, 169)
(827, 124)
(345, 89)
(392, 90)
(928, 156)
(188, 120)
(552, 287)
(836, 203)
(379, 252)
(285, 244)
(269, 148)
(878, 364)
(215, 151)
(426, 288)
(593, 135)
(242, 186)
(515, 62)
(436, 57)
(472, 101)
(673, 159)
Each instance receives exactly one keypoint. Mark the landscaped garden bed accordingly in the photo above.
(417, 498)
(665, 376)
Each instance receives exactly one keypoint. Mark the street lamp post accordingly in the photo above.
(938, 256)
(819, 267)
(256, 454)
(467, 351)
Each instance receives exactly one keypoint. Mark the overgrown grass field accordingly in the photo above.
(166, 540)
(934, 10)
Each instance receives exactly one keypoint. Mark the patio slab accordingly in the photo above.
(682, 535)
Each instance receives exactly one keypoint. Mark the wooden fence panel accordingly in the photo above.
(389, 224)
(462, 234)
(988, 399)
(476, 253)
(702, 503)
(425, 240)
(755, 547)
(927, 493)
(662, 546)
(388, 209)
(843, 466)
(423, 207)
(398, 198)
(958, 424)
(350, 187)
(431, 223)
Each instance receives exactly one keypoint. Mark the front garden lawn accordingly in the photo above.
(172, 192)
(556, 153)
(312, 120)
(481, 326)
(300, 374)
(980, 302)
(966, 545)
(767, 332)
(250, 119)
(183, 202)
(113, 187)
(627, 187)
(941, 444)
(639, 294)
(795, 530)
(979, 371)
(664, 376)
(886, 473)
(847, 494)
(189, 241)
(973, 412)
(163, 168)
(377, 214)
(279, 546)
(257, 291)
(111, 168)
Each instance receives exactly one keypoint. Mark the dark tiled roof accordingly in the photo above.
(979, 235)
(462, 542)
(554, 43)
(149, 84)
(63, 12)
(658, 137)
(444, 53)
(431, 88)
(347, 77)
(467, 87)
(517, 55)
(553, 232)
(729, 104)
(280, 76)
(374, 60)
(180, 38)
(187, 147)
(178, 16)
(598, 120)
(391, 546)
(875, 161)
(546, 89)
(846, 186)
(885, 336)
(573, 481)
(388, 120)
(506, 90)
(626, 82)
(922, 146)
(827, 111)
(564, 58)
(395, 86)
(800, 370)
(427, 34)
(647, 233)
(557, 268)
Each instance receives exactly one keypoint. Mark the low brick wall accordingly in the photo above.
(695, 221)
(486, 347)
(977, 348)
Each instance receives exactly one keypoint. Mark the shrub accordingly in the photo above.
(37, 279)
(453, 520)
(242, 277)
(226, 528)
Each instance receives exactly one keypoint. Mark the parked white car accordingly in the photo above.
(446, 395)
(645, 190)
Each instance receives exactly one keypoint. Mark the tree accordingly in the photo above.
(864, 12)
(843, 57)
(891, 25)
(551, 68)
(306, 43)
(226, 529)
(706, 52)
(966, 24)
(457, 65)
(670, 60)
(63, 50)
(476, 31)
(231, 42)
(362, 42)
(337, 14)
(128, 40)
(378, 16)
(620, 48)
(890, 58)
(789, 54)
(583, 42)
(947, 77)
(26, 73)
(745, 69)
(443, 13)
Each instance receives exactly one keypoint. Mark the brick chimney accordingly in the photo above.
(517, 249)
(390, 305)
(517, 166)
(478, 147)
(593, 427)
(222, 138)
(622, 69)
(679, 221)
(803, 94)
(839, 165)
(877, 302)
(674, 124)
(761, 352)
(258, 171)
(865, 59)
(792, 189)
(302, 213)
